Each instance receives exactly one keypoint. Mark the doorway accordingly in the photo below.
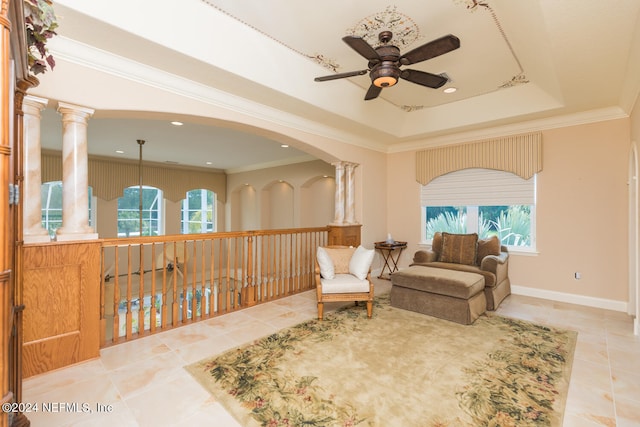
(634, 240)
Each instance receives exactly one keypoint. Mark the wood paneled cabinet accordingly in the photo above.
(346, 235)
(61, 294)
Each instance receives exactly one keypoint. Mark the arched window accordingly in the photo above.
(129, 212)
(51, 199)
(198, 214)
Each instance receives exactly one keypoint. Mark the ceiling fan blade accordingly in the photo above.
(361, 46)
(430, 50)
(423, 78)
(373, 92)
(341, 75)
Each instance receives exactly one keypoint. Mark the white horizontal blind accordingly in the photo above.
(478, 187)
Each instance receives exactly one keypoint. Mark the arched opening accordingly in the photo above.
(634, 239)
(317, 200)
(277, 209)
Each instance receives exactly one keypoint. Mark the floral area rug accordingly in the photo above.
(397, 369)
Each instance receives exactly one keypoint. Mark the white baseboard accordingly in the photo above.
(606, 304)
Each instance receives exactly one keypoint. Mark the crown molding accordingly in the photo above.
(259, 166)
(102, 61)
(99, 60)
(560, 121)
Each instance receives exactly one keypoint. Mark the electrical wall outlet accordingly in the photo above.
(577, 275)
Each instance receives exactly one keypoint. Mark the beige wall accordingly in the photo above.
(581, 212)
(297, 195)
(635, 123)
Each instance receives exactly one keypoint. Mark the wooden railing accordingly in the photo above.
(151, 284)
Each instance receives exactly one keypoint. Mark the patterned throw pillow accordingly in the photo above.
(490, 246)
(459, 248)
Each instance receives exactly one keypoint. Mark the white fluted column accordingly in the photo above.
(75, 178)
(350, 195)
(33, 231)
(338, 218)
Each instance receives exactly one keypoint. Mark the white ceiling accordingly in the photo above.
(521, 65)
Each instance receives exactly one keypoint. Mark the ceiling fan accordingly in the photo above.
(385, 61)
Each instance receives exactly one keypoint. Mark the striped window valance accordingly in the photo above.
(518, 154)
(108, 178)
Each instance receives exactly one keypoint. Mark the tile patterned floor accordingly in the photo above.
(143, 383)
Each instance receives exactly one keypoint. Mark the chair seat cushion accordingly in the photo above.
(344, 283)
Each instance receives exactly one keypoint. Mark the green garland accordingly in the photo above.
(40, 24)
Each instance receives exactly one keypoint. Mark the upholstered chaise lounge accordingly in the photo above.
(447, 280)
(448, 294)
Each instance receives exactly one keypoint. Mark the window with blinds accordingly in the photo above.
(483, 201)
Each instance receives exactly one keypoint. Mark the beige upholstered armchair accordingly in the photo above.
(465, 252)
(343, 274)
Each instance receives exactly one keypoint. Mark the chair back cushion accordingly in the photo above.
(340, 258)
(490, 246)
(436, 243)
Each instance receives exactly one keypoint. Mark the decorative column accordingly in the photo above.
(338, 218)
(350, 195)
(75, 180)
(344, 231)
(32, 203)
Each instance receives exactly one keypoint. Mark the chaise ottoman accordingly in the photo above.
(452, 295)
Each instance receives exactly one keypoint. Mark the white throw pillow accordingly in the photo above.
(361, 262)
(327, 270)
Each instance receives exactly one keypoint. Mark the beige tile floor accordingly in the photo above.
(143, 383)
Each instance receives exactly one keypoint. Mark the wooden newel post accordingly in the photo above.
(249, 291)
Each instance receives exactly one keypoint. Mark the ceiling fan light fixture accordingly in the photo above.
(385, 75)
(385, 81)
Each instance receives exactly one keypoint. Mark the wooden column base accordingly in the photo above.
(344, 235)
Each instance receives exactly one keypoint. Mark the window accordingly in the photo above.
(129, 212)
(481, 201)
(51, 200)
(198, 212)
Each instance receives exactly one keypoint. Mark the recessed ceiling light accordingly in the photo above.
(177, 123)
(208, 163)
(450, 89)
(284, 146)
(119, 151)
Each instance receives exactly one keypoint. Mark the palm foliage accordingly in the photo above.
(449, 222)
(512, 225)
